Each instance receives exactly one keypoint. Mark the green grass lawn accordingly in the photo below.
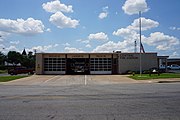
(10, 78)
(154, 76)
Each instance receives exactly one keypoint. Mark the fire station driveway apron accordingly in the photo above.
(65, 80)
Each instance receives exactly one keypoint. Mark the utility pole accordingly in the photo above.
(140, 56)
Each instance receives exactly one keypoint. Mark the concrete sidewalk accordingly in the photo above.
(66, 80)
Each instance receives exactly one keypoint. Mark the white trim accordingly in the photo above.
(55, 72)
(100, 72)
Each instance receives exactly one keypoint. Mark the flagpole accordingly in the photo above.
(140, 59)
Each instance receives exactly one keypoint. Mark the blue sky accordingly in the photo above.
(89, 25)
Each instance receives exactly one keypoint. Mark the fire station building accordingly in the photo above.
(93, 63)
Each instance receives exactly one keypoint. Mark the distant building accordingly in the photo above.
(171, 61)
(24, 52)
(94, 63)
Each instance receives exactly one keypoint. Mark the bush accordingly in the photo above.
(2, 67)
(146, 72)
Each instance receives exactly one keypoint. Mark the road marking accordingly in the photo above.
(85, 80)
(51, 79)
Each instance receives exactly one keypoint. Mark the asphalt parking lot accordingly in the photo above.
(88, 97)
(65, 80)
(90, 102)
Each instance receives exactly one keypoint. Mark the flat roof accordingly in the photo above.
(106, 53)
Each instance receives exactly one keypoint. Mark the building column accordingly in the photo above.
(39, 64)
(119, 66)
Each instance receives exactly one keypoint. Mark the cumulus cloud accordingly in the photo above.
(98, 36)
(48, 30)
(131, 30)
(43, 48)
(145, 24)
(21, 26)
(104, 13)
(62, 21)
(14, 42)
(162, 41)
(134, 6)
(83, 41)
(11, 48)
(2, 46)
(66, 44)
(175, 54)
(72, 50)
(58, 18)
(126, 33)
(110, 46)
(88, 46)
(55, 6)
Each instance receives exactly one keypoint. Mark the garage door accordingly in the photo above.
(100, 66)
(54, 66)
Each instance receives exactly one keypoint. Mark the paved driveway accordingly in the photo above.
(64, 80)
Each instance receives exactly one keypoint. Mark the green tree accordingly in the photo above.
(2, 58)
(14, 57)
(31, 60)
(28, 60)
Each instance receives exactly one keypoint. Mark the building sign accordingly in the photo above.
(100, 56)
(128, 56)
(54, 56)
(77, 56)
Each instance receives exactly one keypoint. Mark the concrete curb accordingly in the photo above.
(168, 81)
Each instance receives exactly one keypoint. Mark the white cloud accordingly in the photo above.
(105, 8)
(23, 27)
(48, 30)
(145, 24)
(162, 41)
(14, 42)
(126, 33)
(3, 34)
(134, 6)
(66, 44)
(124, 46)
(11, 48)
(55, 6)
(62, 21)
(83, 41)
(103, 14)
(43, 48)
(2, 47)
(56, 45)
(175, 54)
(98, 36)
(88, 46)
(174, 28)
(58, 18)
(72, 50)
(130, 32)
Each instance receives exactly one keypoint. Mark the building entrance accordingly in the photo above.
(78, 66)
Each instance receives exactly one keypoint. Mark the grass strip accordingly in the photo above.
(10, 78)
(155, 76)
(3, 71)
